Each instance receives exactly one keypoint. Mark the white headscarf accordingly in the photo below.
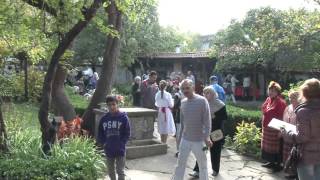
(215, 103)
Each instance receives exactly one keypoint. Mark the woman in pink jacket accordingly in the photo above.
(289, 116)
(308, 131)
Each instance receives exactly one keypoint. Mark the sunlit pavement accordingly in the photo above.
(233, 167)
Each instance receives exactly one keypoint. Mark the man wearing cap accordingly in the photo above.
(218, 88)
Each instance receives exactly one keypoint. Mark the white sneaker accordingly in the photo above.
(195, 174)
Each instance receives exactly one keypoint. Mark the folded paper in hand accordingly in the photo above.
(278, 124)
(216, 135)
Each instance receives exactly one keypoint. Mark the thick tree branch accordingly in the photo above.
(47, 129)
(109, 66)
(41, 4)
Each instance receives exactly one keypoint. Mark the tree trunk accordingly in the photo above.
(26, 93)
(47, 128)
(109, 67)
(23, 57)
(60, 102)
(132, 69)
(3, 133)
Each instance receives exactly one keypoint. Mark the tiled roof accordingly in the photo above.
(173, 55)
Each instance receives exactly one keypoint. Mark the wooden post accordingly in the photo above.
(204, 72)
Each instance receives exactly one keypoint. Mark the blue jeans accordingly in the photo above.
(309, 172)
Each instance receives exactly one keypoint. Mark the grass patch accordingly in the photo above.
(77, 100)
(24, 115)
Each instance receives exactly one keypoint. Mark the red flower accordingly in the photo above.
(70, 128)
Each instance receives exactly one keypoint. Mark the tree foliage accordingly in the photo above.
(270, 38)
(23, 30)
(141, 35)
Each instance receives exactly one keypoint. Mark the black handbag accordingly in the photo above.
(290, 166)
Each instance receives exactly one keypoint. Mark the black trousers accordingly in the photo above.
(246, 93)
(215, 153)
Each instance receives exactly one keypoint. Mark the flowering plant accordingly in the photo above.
(120, 99)
(71, 128)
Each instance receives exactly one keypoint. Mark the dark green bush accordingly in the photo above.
(237, 114)
(123, 89)
(76, 158)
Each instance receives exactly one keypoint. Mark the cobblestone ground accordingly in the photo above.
(233, 167)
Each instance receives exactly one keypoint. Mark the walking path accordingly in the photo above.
(233, 167)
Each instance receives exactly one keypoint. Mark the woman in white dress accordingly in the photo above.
(164, 102)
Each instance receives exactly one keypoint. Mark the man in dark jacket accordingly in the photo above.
(176, 115)
(149, 88)
(114, 132)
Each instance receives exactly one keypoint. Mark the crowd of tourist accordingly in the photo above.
(297, 151)
(193, 118)
(179, 103)
(83, 82)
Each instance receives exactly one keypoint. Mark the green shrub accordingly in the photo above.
(76, 158)
(247, 139)
(13, 86)
(35, 82)
(237, 114)
(123, 89)
(7, 88)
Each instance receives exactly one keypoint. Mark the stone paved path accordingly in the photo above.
(233, 167)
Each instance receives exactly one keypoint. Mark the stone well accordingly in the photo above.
(141, 142)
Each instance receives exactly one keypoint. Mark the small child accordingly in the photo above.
(114, 132)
